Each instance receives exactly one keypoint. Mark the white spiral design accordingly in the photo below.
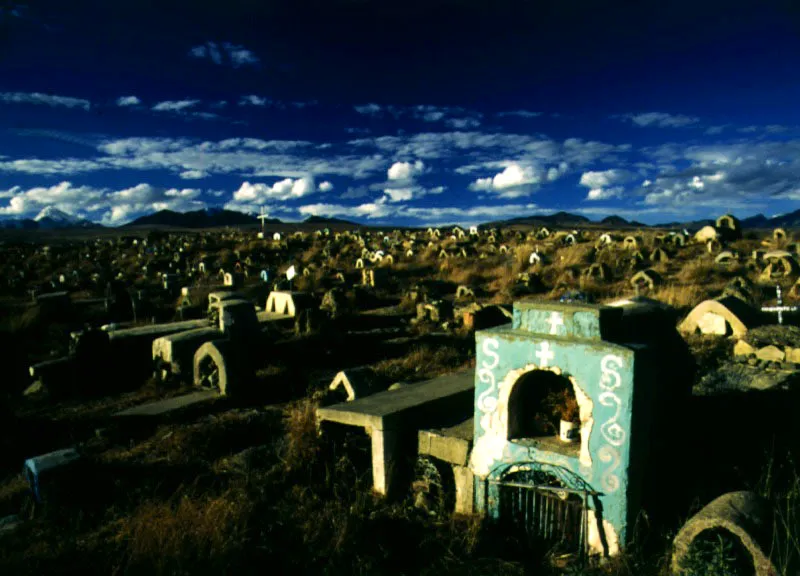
(610, 429)
(608, 480)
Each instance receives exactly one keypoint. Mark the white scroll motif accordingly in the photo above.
(611, 430)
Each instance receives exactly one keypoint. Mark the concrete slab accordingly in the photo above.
(421, 404)
(394, 417)
(169, 405)
(451, 444)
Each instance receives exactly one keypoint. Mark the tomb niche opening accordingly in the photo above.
(538, 402)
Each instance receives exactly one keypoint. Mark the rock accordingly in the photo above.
(753, 361)
(793, 355)
(742, 348)
(771, 353)
(36, 390)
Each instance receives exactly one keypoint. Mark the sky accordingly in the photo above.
(410, 113)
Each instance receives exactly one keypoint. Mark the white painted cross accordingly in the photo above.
(545, 354)
(555, 321)
(263, 216)
(780, 308)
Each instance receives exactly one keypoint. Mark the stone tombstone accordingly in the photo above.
(607, 359)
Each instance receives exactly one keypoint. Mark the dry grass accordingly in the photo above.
(191, 533)
(302, 441)
(680, 295)
(422, 363)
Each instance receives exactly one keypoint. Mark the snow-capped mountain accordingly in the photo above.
(52, 217)
(49, 218)
(55, 215)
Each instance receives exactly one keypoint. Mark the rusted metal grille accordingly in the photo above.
(555, 516)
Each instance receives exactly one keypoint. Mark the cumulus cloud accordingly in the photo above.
(44, 99)
(660, 119)
(286, 189)
(370, 210)
(325, 186)
(512, 182)
(128, 101)
(603, 185)
(399, 194)
(175, 105)
(109, 206)
(224, 53)
(405, 170)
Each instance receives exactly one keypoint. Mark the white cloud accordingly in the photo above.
(462, 123)
(128, 101)
(286, 189)
(109, 206)
(405, 170)
(371, 210)
(252, 100)
(399, 194)
(601, 184)
(368, 109)
(44, 99)
(512, 182)
(605, 193)
(193, 174)
(661, 119)
(224, 53)
(175, 105)
(325, 186)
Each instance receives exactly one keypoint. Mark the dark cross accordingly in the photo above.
(780, 308)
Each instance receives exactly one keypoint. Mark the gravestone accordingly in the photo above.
(610, 359)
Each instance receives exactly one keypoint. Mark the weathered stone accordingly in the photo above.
(792, 355)
(771, 354)
(742, 348)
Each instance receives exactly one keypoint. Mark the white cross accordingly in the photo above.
(780, 308)
(263, 216)
(545, 354)
(555, 321)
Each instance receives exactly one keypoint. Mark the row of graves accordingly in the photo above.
(568, 426)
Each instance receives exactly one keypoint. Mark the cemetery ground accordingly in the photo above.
(245, 483)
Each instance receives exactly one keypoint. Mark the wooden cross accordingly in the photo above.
(780, 308)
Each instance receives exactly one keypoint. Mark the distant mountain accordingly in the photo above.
(615, 221)
(50, 218)
(556, 219)
(212, 218)
(325, 221)
(790, 220)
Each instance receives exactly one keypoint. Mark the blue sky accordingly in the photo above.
(416, 113)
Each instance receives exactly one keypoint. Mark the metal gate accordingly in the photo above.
(542, 508)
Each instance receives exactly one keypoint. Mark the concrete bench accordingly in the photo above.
(394, 417)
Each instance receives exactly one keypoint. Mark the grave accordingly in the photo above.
(744, 515)
(173, 354)
(393, 418)
(610, 359)
(726, 316)
(356, 383)
(287, 303)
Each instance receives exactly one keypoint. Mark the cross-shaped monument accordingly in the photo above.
(780, 308)
(263, 216)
